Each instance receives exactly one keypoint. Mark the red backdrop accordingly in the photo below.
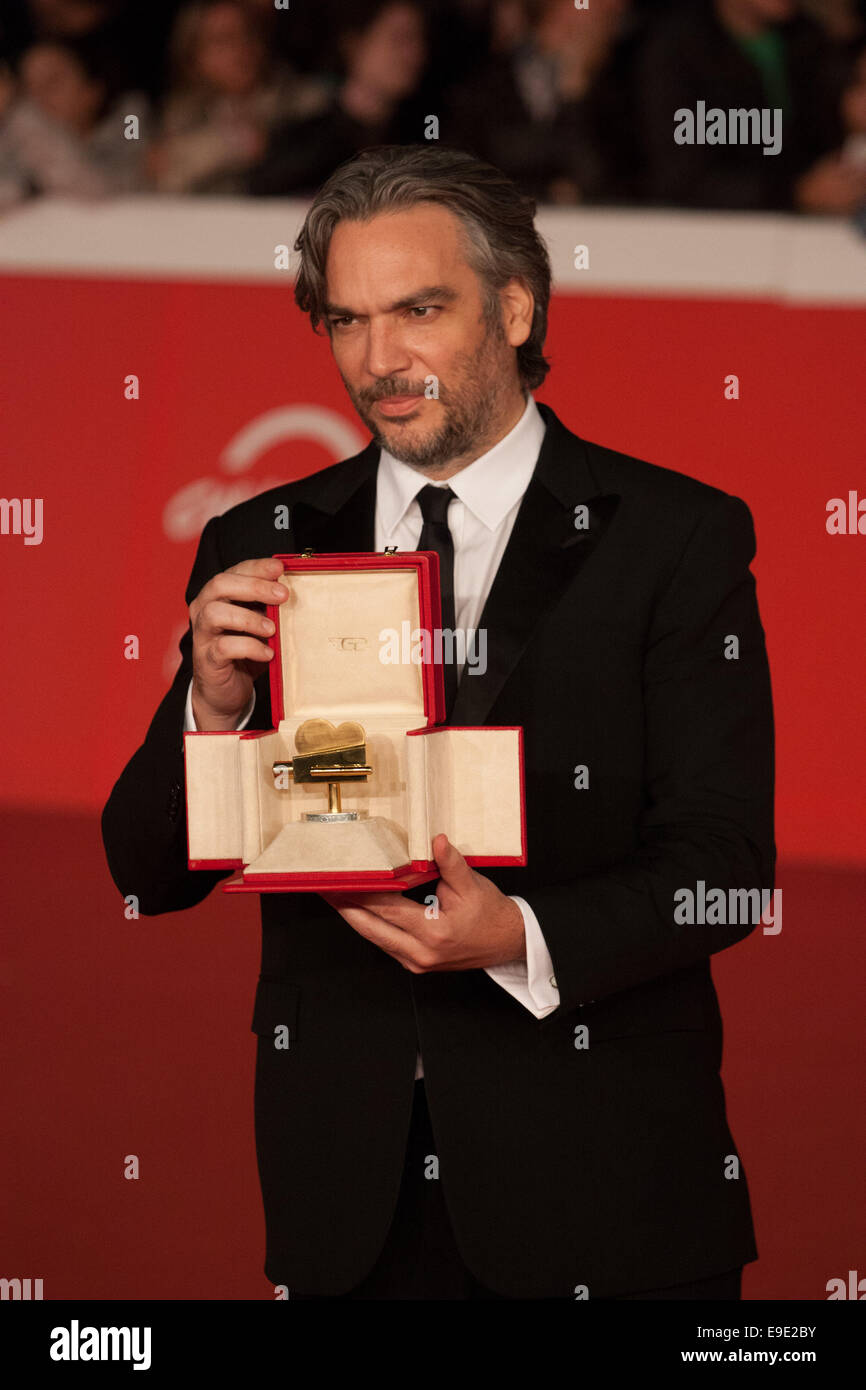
(132, 1037)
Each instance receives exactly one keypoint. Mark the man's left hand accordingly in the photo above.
(475, 925)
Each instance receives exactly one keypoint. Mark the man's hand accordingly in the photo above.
(229, 646)
(476, 925)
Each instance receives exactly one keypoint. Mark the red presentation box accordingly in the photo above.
(346, 613)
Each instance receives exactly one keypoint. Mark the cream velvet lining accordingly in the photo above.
(330, 644)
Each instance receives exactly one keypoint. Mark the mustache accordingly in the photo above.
(398, 388)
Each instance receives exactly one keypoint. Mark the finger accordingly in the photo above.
(452, 866)
(375, 902)
(383, 934)
(219, 616)
(241, 588)
(395, 908)
(266, 567)
(227, 649)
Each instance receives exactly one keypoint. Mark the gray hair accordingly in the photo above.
(496, 222)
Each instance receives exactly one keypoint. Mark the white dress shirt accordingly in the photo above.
(488, 493)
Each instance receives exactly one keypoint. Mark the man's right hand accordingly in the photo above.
(229, 646)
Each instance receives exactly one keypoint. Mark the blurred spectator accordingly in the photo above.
(300, 35)
(131, 34)
(64, 133)
(854, 113)
(740, 55)
(577, 105)
(382, 51)
(840, 19)
(837, 184)
(556, 112)
(8, 88)
(509, 26)
(71, 18)
(226, 97)
(461, 35)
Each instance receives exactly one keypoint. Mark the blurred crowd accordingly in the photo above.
(575, 99)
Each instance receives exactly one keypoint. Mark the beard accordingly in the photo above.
(471, 406)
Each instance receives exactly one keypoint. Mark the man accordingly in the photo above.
(560, 1017)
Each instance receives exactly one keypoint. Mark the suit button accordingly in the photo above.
(553, 982)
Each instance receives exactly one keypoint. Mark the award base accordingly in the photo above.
(343, 846)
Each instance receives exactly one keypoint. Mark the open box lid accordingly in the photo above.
(347, 641)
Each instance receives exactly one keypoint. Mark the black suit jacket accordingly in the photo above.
(609, 1165)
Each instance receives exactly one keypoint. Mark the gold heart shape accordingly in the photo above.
(320, 735)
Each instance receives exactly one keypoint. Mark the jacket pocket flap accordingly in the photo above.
(614, 1020)
(276, 1006)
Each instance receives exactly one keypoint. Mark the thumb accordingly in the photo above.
(452, 866)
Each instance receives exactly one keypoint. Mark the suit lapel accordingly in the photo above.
(342, 515)
(544, 554)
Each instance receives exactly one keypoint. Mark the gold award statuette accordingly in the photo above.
(356, 841)
(324, 753)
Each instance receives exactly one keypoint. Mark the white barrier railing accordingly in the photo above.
(799, 259)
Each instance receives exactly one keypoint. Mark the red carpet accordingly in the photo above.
(132, 1037)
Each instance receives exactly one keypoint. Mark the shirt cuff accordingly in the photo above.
(189, 724)
(532, 981)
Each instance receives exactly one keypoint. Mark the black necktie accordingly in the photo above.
(435, 535)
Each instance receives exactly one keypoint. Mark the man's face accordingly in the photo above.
(406, 314)
(228, 55)
(391, 54)
(55, 82)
